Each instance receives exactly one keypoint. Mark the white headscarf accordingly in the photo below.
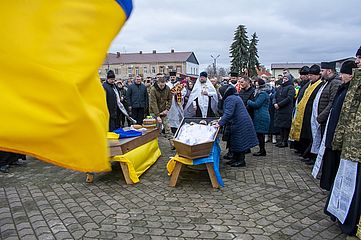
(203, 100)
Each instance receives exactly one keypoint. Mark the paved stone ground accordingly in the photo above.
(274, 197)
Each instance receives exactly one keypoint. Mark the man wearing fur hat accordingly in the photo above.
(203, 99)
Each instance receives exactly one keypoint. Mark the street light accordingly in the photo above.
(215, 64)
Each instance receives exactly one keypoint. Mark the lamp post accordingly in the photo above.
(215, 64)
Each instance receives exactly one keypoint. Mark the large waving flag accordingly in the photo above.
(52, 105)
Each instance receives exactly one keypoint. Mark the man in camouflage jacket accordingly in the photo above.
(160, 99)
(348, 132)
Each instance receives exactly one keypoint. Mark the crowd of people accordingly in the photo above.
(317, 115)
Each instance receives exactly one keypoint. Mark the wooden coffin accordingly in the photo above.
(122, 146)
(194, 151)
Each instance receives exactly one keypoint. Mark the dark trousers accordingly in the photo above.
(302, 145)
(239, 157)
(261, 141)
(7, 158)
(284, 132)
(122, 121)
(138, 114)
(114, 123)
(307, 153)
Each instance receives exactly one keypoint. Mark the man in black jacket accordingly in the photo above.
(137, 99)
(111, 96)
(247, 93)
(330, 76)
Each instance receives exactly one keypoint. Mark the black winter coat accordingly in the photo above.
(248, 95)
(284, 98)
(335, 113)
(111, 100)
(137, 96)
(326, 99)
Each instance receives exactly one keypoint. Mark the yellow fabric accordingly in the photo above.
(52, 103)
(140, 159)
(112, 136)
(297, 122)
(171, 163)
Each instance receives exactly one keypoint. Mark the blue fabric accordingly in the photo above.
(213, 157)
(127, 6)
(242, 133)
(127, 134)
(261, 116)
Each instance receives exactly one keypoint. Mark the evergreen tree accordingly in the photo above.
(239, 50)
(253, 63)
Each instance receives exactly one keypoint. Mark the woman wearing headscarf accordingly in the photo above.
(242, 133)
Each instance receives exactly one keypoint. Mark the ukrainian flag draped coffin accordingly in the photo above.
(52, 104)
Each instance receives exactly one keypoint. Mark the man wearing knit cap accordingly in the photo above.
(111, 96)
(329, 75)
(304, 71)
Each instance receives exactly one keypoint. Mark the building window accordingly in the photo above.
(161, 69)
(170, 68)
(137, 71)
(145, 70)
(179, 69)
(153, 69)
(196, 71)
(130, 71)
(116, 71)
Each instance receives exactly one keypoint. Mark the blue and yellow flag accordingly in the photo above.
(52, 105)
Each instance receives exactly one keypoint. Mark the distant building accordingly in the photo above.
(277, 68)
(263, 71)
(127, 65)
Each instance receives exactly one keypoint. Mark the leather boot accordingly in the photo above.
(260, 153)
(240, 162)
(231, 161)
(228, 156)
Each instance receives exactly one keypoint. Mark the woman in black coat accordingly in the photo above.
(283, 103)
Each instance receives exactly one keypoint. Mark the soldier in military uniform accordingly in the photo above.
(160, 99)
(347, 139)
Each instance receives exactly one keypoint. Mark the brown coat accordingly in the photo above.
(159, 100)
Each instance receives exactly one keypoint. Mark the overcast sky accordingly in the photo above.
(288, 31)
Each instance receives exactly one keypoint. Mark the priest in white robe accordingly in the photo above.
(203, 100)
